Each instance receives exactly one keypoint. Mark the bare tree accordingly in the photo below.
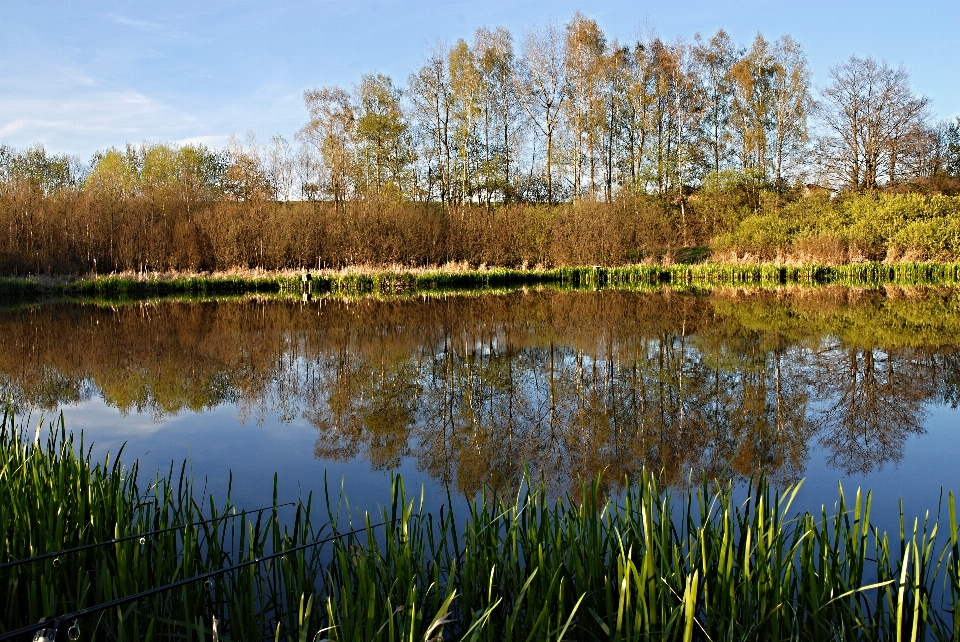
(432, 102)
(280, 167)
(790, 103)
(542, 84)
(870, 114)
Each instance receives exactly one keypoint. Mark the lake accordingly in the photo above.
(461, 390)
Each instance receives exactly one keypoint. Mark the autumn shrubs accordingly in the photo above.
(80, 232)
(77, 233)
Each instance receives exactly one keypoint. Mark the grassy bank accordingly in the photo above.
(649, 564)
(398, 279)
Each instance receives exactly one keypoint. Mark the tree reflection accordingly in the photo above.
(874, 400)
(572, 384)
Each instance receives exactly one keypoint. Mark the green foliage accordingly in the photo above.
(55, 497)
(763, 237)
(872, 226)
(40, 172)
(159, 173)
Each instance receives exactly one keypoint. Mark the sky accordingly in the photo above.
(78, 77)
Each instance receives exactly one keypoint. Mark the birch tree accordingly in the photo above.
(384, 151)
(330, 134)
(714, 61)
(432, 103)
(790, 102)
(542, 84)
(494, 55)
(584, 66)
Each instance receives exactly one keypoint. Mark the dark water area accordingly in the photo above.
(828, 385)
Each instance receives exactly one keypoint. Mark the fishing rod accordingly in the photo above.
(51, 626)
(142, 536)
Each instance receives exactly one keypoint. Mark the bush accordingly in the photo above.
(762, 236)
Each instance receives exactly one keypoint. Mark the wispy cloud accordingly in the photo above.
(209, 141)
(73, 75)
(137, 24)
(98, 118)
(13, 127)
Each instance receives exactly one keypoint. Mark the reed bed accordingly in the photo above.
(703, 564)
(398, 279)
(54, 497)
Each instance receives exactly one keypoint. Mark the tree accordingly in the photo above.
(330, 134)
(199, 175)
(494, 55)
(384, 151)
(636, 100)
(584, 66)
(614, 110)
(39, 171)
(752, 107)
(790, 103)
(953, 148)
(871, 116)
(158, 172)
(714, 62)
(676, 108)
(542, 84)
(280, 167)
(245, 178)
(114, 175)
(432, 102)
(466, 86)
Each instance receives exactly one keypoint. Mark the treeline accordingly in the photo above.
(568, 148)
(570, 115)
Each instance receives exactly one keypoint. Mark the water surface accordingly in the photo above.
(828, 384)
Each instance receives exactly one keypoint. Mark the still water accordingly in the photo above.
(828, 385)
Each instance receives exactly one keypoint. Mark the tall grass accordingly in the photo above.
(651, 563)
(53, 496)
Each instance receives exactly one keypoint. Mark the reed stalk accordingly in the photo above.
(710, 563)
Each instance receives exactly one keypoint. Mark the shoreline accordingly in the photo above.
(398, 279)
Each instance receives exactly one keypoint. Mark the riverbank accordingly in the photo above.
(399, 279)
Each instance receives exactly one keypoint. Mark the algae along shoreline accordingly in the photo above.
(647, 563)
(398, 279)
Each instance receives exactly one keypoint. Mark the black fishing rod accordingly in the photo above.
(52, 625)
(127, 538)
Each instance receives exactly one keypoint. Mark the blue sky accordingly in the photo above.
(82, 76)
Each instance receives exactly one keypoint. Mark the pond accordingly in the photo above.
(463, 390)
